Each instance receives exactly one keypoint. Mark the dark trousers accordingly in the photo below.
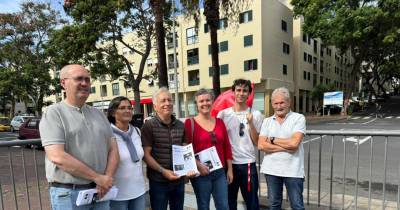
(240, 180)
(162, 193)
(294, 189)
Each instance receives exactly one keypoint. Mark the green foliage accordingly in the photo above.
(370, 29)
(24, 63)
(317, 93)
(97, 35)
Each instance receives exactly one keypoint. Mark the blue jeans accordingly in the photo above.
(294, 188)
(138, 203)
(214, 183)
(240, 180)
(65, 199)
(162, 193)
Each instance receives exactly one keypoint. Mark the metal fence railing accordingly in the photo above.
(345, 169)
(22, 178)
(355, 168)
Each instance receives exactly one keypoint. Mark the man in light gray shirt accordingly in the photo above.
(283, 163)
(81, 152)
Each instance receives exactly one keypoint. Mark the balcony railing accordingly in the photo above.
(194, 82)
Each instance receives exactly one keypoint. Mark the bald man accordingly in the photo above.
(81, 152)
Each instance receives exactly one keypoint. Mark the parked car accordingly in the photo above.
(17, 121)
(29, 130)
(4, 124)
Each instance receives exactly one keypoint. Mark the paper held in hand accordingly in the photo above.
(90, 196)
(183, 160)
(209, 157)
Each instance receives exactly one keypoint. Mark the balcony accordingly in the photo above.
(194, 82)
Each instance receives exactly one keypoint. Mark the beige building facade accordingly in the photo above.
(266, 46)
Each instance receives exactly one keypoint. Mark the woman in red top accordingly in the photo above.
(208, 132)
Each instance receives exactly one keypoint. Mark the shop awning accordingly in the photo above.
(143, 101)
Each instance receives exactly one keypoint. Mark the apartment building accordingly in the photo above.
(266, 46)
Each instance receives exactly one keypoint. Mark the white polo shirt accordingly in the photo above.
(284, 164)
(243, 149)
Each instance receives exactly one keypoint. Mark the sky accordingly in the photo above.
(9, 6)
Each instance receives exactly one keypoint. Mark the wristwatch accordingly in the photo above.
(272, 139)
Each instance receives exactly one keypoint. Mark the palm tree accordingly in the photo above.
(231, 9)
(158, 7)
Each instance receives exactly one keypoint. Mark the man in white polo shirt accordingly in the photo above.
(280, 137)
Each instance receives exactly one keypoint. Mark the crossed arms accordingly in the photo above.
(280, 144)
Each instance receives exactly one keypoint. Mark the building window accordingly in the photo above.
(283, 25)
(321, 79)
(284, 69)
(315, 46)
(309, 57)
(93, 89)
(115, 89)
(321, 66)
(191, 36)
(245, 17)
(304, 75)
(308, 40)
(286, 48)
(223, 69)
(103, 90)
(321, 51)
(205, 28)
(308, 76)
(248, 40)
(314, 80)
(250, 65)
(223, 23)
(223, 46)
(193, 56)
(171, 61)
(171, 77)
(305, 37)
(170, 40)
(194, 77)
(305, 57)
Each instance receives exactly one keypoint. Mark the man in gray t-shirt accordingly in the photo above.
(81, 152)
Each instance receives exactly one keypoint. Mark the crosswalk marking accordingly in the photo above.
(367, 117)
(398, 117)
(355, 118)
(389, 117)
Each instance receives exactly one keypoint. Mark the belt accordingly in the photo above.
(73, 186)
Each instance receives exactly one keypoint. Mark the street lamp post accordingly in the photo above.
(178, 114)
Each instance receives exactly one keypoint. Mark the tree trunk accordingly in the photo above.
(211, 11)
(158, 10)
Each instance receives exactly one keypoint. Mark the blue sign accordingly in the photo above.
(333, 98)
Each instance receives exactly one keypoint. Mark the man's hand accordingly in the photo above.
(229, 176)
(103, 184)
(249, 117)
(190, 174)
(170, 175)
(204, 171)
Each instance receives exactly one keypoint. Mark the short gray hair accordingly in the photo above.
(64, 72)
(204, 91)
(157, 92)
(282, 91)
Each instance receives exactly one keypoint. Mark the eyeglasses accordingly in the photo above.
(241, 127)
(124, 108)
(80, 79)
(213, 137)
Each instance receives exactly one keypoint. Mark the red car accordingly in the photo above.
(30, 129)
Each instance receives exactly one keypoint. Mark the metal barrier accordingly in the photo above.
(348, 142)
(22, 182)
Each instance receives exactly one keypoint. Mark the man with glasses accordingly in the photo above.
(243, 124)
(283, 163)
(81, 152)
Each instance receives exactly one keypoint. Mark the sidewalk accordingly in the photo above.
(326, 118)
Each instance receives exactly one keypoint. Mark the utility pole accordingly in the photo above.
(177, 112)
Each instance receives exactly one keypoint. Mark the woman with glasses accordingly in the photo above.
(205, 131)
(128, 178)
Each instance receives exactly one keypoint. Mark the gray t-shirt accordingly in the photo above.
(86, 134)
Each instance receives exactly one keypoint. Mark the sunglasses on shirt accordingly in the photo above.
(241, 129)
